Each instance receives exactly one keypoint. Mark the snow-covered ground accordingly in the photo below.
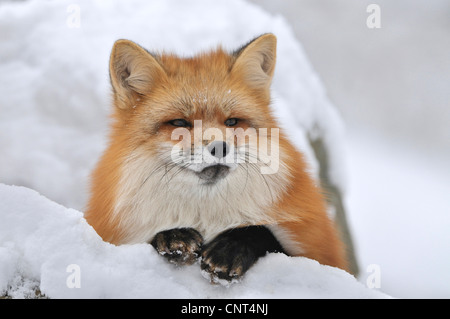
(46, 245)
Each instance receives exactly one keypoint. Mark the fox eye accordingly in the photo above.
(231, 122)
(180, 123)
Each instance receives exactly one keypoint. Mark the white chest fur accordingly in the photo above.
(153, 197)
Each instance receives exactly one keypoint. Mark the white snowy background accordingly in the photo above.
(54, 104)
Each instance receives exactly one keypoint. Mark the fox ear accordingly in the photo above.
(133, 72)
(256, 61)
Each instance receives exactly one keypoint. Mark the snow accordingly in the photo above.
(399, 203)
(54, 106)
(43, 243)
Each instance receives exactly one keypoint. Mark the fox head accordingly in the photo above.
(198, 130)
(203, 111)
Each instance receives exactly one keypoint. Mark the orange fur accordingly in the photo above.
(150, 90)
(314, 232)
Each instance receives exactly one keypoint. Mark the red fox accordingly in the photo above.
(223, 197)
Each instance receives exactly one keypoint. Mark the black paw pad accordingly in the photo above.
(181, 246)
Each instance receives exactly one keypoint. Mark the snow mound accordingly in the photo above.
(44, 245)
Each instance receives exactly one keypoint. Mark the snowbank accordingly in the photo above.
(45, 245)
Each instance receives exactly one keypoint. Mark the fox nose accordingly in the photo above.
(218, 149)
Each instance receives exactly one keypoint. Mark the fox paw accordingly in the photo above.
(224, 261)
(227, 257)
(181, 246)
